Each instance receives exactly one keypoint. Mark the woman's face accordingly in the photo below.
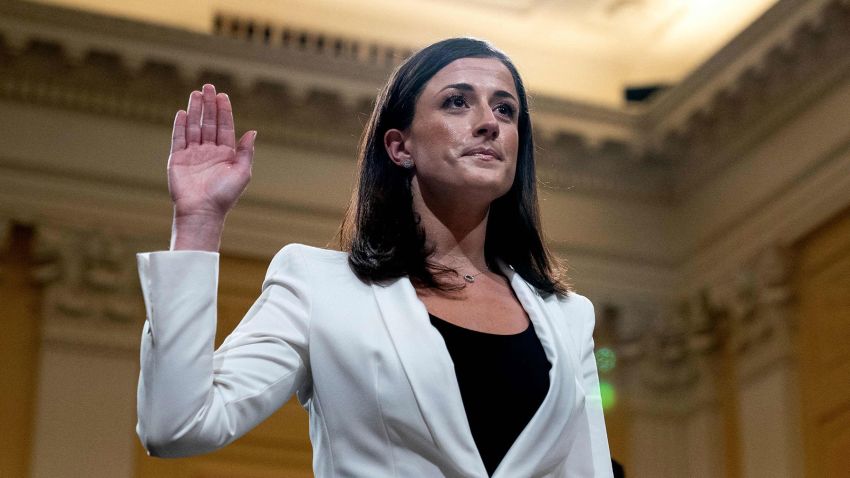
(464, 134)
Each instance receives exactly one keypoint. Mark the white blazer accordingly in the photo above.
(366, 363)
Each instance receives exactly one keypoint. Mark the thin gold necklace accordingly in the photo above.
(469, 278)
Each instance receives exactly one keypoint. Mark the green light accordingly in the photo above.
(609, 395)
(606, 359)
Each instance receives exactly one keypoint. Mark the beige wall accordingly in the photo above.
(688, 251)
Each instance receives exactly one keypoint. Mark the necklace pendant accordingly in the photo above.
(469, 278)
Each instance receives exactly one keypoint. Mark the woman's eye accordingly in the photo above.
(456, 101)
(506, 110)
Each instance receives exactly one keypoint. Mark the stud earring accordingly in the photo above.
(407, 163)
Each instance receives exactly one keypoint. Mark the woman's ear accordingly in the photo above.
(396, 148)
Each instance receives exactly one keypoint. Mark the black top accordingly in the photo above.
(503, 380)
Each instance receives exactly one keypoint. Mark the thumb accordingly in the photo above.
(245, 149)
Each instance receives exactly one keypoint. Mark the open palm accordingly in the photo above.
(207, 169)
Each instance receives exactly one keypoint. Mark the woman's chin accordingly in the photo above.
(487, 191)
(497, 184)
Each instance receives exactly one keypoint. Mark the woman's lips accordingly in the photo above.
(484, 153)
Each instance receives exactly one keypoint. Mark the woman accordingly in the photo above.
(441, 342)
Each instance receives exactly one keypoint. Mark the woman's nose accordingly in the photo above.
(487, 125)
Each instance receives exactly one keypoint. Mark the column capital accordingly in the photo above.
(91, 288)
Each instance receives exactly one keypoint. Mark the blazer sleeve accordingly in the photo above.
(590, 456)
(192, 399)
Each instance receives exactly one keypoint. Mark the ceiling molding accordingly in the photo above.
(51, 57)
(104, 65)
(782, 62)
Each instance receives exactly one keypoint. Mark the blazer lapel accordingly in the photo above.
(430, 370)
(547, 438)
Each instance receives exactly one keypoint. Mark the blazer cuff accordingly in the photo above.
(173, 278)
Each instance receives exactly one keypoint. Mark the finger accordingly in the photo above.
(208, 124)
(245, 150)
(178, 134)
(225, 134)
(193, 118)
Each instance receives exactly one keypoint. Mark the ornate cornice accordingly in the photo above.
(294, 89)
(68, 59)
(260, 31)
(780, 63)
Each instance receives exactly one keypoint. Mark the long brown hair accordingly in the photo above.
(381, 230)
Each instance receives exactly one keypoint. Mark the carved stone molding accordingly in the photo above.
(653, 347)
(100, 82)
(91, 290)
(294, 89)
(292, 94)
(751, 311)
(673, 351)
(611, 167)
(262, 32)
(659, 367)
(701, 139)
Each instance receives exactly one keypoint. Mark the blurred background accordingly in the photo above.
(694, 165)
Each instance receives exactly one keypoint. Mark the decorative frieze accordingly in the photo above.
(91, 289)
(754, 308)
(291, 93)
(675, 350)
(262, 32)
(292, 84)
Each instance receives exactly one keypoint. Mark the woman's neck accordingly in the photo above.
(456, 233)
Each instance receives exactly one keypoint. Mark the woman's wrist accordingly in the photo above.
(196, 232)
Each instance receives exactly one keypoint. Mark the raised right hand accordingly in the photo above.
(207, 169)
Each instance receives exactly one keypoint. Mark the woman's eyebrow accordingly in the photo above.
(504, 94)
(468, 87)
(459, 86)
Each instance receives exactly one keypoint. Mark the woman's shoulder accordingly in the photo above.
(574, 315)
(309, 255)
(573, 298)
(574, 304)
(295, 258)
(312, 252)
